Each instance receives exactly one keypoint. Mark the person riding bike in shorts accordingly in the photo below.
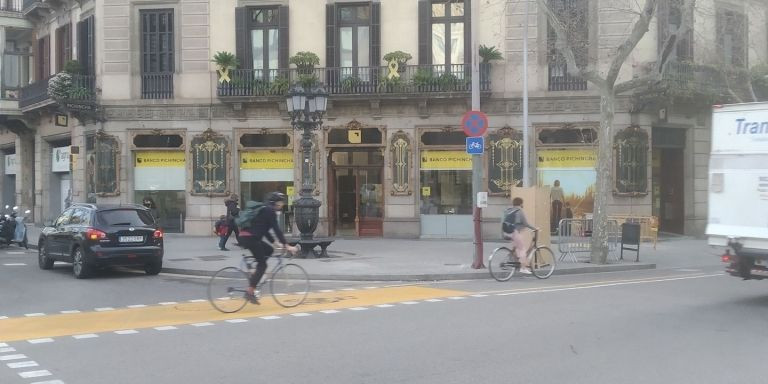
(252, 239)
(515, 218)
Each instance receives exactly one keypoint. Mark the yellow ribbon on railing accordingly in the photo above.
(224, 75)
(393, 70)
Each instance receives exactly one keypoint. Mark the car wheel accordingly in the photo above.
(43, 260)
(80, 266)
(153, 268)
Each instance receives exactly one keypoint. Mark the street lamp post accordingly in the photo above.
(306, 108)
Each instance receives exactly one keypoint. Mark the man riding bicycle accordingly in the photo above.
(252, 238)
(514, 222)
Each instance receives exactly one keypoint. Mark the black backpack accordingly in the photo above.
(511, 219)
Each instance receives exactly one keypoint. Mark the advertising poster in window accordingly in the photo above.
(574, 169)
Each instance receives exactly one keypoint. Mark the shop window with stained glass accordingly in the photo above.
(505, 161)
(209, 164)
(401, 164)
(102, 165)
(631, 162)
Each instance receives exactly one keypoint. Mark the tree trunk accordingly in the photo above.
(604, 176)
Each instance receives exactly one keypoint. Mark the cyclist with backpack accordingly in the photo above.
(255, 222)
(515, 221)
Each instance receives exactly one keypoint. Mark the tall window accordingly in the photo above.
(732, 37)
(86, 46)
(157, 53)
(670, 19)
(447, 31)
(264, 30)
(575, 17)
(63, 46)
(354, 35)
(43, 57)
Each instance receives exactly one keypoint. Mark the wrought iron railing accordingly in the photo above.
(355, 80)
(12, 5)
(157, 85)
(80, 90)
(561, 80)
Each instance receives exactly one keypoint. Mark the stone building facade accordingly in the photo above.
(145, 115)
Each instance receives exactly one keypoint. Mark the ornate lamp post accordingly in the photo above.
(306, 108)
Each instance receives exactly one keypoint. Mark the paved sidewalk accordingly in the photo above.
(416, 260)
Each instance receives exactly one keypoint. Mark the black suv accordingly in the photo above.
(95, 236)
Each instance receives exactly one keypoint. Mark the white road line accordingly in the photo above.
(206, 324)
(168, 303)
(358, 309)
(104, 309)
(8, 349)
(409, 302)
(235, 321)
(85, 336)
(3, 345)
(34, 314)
(433, 300)
(613, 284)
(166, 328)
(384, 305)
(70, 311)
(301, 314)
(14, 264)
(23, 364)
(457, 297)
(479, 295)
(371, 287)
(16, 253)
(49, 382)
(329, 311)
(40, 341)
(326, 290)
(12, 357)
(31, 374)
(137, 306)
(3, 317)
(348, 289)
(198, 301)
(126, 332)
(269, 317)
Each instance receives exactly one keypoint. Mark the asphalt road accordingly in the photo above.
(684, 325)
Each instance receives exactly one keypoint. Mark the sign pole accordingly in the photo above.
(477, 160)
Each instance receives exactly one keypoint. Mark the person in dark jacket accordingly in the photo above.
(252, 238)
(232, 212)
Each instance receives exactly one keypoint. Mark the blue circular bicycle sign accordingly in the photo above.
(474, 123)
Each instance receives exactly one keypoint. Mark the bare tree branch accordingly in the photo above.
(625, 49)
(674, 37)
(635, 83)
(588, 72)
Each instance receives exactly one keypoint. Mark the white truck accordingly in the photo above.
(738, 188)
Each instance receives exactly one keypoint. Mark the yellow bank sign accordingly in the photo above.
(445, 160)
(266, 160)
(160, 159)
(567, 158)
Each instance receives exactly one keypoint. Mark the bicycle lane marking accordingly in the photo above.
(19, 328)
(22, 365)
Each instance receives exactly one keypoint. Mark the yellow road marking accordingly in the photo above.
(15, 329)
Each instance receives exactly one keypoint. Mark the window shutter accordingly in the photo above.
(283, 38)
(242, 40)
(425, 32)
(467, 32)
(662, 24)
(330, 36)
(47, 57)
(91, 58)
(375, 34)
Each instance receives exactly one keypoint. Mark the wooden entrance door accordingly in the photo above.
(672, 192)
(358, 198)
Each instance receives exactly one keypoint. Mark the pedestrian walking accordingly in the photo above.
(232, 212)
(221, 228)
(556, 197)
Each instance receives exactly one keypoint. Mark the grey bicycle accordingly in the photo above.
(288, 283)
(503, 263)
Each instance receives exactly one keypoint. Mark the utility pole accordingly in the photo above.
(477, 160)
(526, 138)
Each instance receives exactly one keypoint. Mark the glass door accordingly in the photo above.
(358, 205)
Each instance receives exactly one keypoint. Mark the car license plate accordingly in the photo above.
(131, 239)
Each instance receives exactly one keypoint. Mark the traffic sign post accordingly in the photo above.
(475, 125)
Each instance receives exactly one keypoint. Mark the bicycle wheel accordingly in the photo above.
(227, 288)
(502, 264)
(289, 285)
(543, 263)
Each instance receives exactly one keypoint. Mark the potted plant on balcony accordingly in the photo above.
(225, 61)
(60, 85)
(489, 54)
(305, 62)
(399, 57)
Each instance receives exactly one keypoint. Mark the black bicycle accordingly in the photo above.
(503, 262)
(288, 284)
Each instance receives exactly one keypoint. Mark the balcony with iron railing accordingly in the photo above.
(78, 93)
(11, 5)
(435, 80)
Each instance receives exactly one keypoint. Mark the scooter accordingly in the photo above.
(7, 228)
(20, 229)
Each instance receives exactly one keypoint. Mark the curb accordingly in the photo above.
(438, 276)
